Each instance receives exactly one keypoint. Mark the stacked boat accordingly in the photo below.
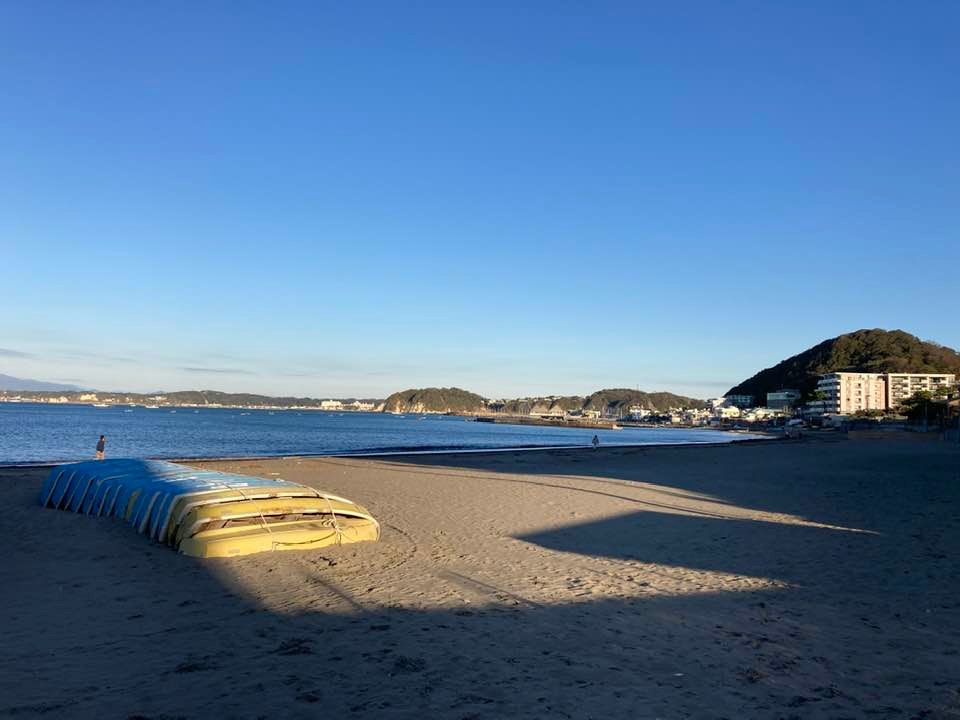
(207, 513)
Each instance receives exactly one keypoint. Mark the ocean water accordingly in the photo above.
(33, 432)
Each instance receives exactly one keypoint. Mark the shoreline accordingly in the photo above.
(404, 452)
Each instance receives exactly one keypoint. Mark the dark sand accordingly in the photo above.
(792, 579)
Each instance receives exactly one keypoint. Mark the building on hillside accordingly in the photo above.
(762, 413)
(847, 392)
(740, 401)
(637, 412)
(783, 399)
(901, 386)
(331, 405)
(696, 417)
(730, 412)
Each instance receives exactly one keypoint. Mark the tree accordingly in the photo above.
(921, 407)
(818, 396)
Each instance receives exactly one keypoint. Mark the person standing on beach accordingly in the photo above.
(101, 445)
(596, 442)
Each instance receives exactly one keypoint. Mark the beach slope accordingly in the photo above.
(807, 579)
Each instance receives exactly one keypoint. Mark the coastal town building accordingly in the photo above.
(847, 393)
(759, 414)
(331, 405)
(783, 399)
(901, 386)
(740, 401)
(694, 416)
(637, 412)
(730, 412)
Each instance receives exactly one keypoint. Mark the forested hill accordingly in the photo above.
(615, 400)
(861, 351)
(437, 400)
(609, 402)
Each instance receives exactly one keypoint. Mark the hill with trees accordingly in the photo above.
(874, 351)
(540, 405)
(607, 402)
(437, 400)
(617, 400)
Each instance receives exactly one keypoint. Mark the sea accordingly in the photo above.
(44, 433)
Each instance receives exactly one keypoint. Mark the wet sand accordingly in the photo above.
(802, 579)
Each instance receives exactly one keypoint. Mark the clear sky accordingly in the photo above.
(338, 199)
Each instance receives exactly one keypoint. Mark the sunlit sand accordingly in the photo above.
(702, 582)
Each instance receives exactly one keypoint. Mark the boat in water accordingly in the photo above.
(206, 513)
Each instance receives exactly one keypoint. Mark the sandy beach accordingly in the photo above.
(807, 579)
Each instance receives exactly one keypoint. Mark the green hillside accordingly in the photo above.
(860, 351)
(434, 399)
(524, 406)
(615, 400)
(611, 401)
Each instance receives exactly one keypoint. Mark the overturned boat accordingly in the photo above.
(206, 513)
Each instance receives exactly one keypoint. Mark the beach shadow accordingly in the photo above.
(770, 477)
(791, 553)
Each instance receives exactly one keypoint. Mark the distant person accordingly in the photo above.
(596, 442)
(101, 446)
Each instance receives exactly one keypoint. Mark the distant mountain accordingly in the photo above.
(861, 351)
(181, 397)
(8, 382)
(435, 400)
(608, 402)
(215, 397)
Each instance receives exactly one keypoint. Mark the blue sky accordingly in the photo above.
(518, 198)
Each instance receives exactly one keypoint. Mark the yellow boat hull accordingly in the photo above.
(264, 512)
(299, 535)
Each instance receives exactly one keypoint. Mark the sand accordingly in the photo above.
(786, 579)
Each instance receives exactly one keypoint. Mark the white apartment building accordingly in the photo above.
(331, 405)
(637, 412)
(849, 392)
(728, 412)
(900, 386)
